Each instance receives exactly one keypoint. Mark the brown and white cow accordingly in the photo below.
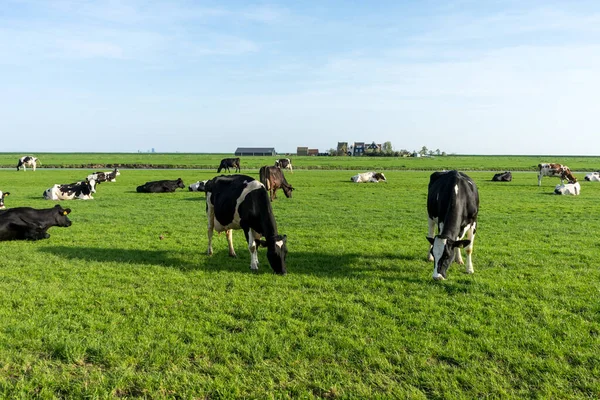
(273, 179)
(552, 169)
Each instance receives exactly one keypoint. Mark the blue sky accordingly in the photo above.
(467, 77)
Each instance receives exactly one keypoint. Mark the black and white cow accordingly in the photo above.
(28, 161)
(100, 177)
(26, 223)
(79, 190)
(593, 177)
(2, 196)
(284, 163)
(241, 202)
(568, 188)
(502, 177)
(371, 176)
(197, 186)
(452, 205)
(164, 186)
(227, 163)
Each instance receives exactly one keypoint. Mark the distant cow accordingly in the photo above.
(161, 186)
(593, 177)
(452, 205)
(241, 202)
(100, 177)
(28, 161)
(502, 177)
(227, 163)
(26, 223)
(79, 190)
(2, 196)
(197, 186)
(559, 170)
(368, 177)
(284, 163)
(273, 179)
(568, 188)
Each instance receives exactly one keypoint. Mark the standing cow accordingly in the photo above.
(241, 202)
(227, 163)
(28, 161)
(2, 196)
(452, 205)
(551, 169)
(284, 163)
(273, 179)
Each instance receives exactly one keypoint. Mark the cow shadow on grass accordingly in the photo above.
(326, 265)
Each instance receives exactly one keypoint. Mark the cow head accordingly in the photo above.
(566, 174)
(444, 251)
(276, 253)
(60, 216)
(379, 176)
(198, 186)
(2, 196)
(180, 183)
(91, 183)
(287, 190)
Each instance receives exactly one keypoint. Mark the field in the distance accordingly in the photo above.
(106, 309)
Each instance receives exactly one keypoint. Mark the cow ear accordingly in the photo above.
(7, 193)
(430, 240)
(461, 243)
(67, 211)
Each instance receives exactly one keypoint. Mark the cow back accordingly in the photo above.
(452, 193)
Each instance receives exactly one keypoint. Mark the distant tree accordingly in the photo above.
(387, 147)
(333, 152)
(437, 152)
(423, 150)
(443, 154)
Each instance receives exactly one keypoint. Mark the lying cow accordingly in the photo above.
(273, 179)
(452, 205)
(197, 186)
(241, 202)
(2, 196)
(28, 161)
(368, 177)
(568, 188)
(284, 163)
(79, 190)
(502, 177)
(164, 186)
(227, 163)
(562, 171)
(26, 223)
(100, 177)
(593, 177)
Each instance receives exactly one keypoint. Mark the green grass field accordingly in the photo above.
(106, 309)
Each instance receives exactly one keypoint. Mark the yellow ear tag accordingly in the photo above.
(65, 213)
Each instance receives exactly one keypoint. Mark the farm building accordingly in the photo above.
(255, 151)
(302, 151)
(313, 152)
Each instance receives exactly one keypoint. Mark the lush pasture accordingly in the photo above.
(106, 309)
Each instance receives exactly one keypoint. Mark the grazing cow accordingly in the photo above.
(197, 186)
(502, 177)
(559, 170)
(26, 223)
(227, 163)
(28, 161)
(593, 177)
(273, 179)
(241, 202)
(164, 186)
(2, 196)
(368, 177)
(79, 190)
(452, 205)
(284, 163)
(568, 188)
(100, 177)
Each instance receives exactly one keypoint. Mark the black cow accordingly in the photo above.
(2, 196)
(241, 202)
(160, 186)
(452, 205)
(26, 223)
(227, 163)
(273, 179)
(502, 177)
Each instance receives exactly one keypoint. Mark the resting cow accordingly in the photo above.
(284, 163)
(241, 202)
(78, 190)
(2, 196)
(559, 170)
(502, 177)
(100, 177)
(568, 188)
(227, 163)
(164, 186)
(452, 205)
(28, 161)
(593, 177)
(273, 179)
(368, 177)
(197, 186)
(26, 223)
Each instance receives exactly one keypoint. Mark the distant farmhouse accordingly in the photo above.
(302, 151)
(255, 151)
(357, 148)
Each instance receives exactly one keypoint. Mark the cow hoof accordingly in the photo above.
(470, 271)
(439, 278)
(233, 255)
(209, 253)
(430, 258)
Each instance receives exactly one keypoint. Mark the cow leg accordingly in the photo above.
(540, 179)
(469, 248)
(431, 234)
(250, 237)
(210, 213)
(229, 235)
